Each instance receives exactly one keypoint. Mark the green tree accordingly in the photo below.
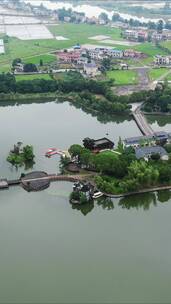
(41, 62)
(75, 150)
(104, 17)
(160, 26)
(106, 63)
(30, 67)
(16, 61)
(28, 153)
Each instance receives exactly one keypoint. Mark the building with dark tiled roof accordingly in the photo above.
(147, 152)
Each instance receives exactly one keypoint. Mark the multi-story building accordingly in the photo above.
(69, 57)
(91, 69)
(162, 60)
(133, 54)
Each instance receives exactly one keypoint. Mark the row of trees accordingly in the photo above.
(72, 82)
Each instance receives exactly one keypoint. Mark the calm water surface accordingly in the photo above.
(107, 252)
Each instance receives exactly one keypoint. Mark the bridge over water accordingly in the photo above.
(141, 122)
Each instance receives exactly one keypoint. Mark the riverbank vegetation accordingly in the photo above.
(159, 100)
(85, 93)
(121, 172)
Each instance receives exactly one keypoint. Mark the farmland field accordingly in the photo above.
(123, 77)
(32, 77)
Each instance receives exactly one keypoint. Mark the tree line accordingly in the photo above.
(72, 82)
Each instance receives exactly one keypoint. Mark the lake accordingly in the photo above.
(107, 252)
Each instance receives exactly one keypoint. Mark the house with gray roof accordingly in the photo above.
(91, 69)
(147, 152)
(137, 141)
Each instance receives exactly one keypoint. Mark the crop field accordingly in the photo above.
(123, 77)
(32, 77)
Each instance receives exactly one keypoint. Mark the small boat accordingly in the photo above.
(51, 152)
(97, 194)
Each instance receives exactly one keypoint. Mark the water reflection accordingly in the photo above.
(139, 201)
(85, 208)
(164, 196)
(104, 202)
(161, 120)
(101, 117)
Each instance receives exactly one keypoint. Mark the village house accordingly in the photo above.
(94, 54)
(135, 35)
(79, 17)
(2, 48)
(165, 35)
(67, 19)
(69, 56)
(133, 54)
(91, 69)
(115, 53)
(92, 20)
(158, 138)
(98, 144)
(19, 68)
(139, 141)
(162, 60)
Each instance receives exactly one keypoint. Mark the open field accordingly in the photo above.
(32, 77)
(47, 58)
(123, 77)
(154, 74)
(166, 44)
(16, 48)
(81, 33)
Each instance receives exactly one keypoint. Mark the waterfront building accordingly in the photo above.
(147, 152)
(139, 141)
(98, 144)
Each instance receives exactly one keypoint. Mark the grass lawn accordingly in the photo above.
(47, 58)
(166, 44)
(169, 77)
(17, 48)
(32, 77)
(149, 49)
(123, 77)
(157, 73)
